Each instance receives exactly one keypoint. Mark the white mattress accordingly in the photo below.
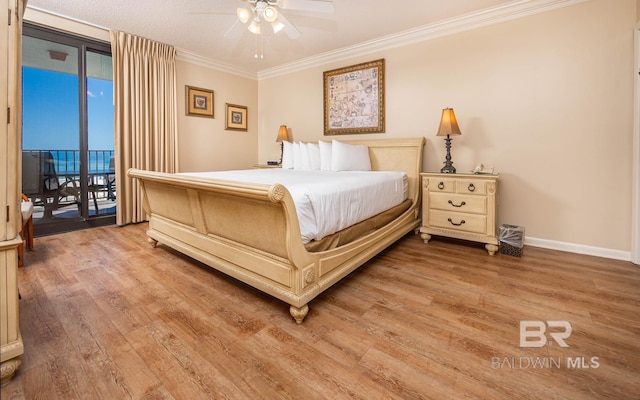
(326, 201)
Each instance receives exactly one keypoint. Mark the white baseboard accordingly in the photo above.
(579, 248)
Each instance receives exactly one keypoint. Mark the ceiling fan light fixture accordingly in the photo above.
(254, 27)
(270, 14)
(243, 14)
(277, 26)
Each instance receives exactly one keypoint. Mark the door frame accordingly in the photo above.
(83, 44)
(635, 187)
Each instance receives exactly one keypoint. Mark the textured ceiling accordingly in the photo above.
(199, 26)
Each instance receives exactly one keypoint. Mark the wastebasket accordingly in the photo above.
(511, 239)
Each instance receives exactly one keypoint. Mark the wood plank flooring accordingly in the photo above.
(104, 315)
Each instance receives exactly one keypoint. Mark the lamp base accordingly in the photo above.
(448, 164)
(448, 169)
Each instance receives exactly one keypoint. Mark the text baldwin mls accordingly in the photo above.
(532, 335)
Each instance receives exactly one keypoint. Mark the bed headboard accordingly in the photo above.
(397, 155)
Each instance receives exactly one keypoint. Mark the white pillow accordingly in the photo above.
(349, 157)
(287, 155)
(325, 156)
(297, 156)
(304, 157)
(313, 152)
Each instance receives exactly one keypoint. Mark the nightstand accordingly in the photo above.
(259, 166)
(461, 206)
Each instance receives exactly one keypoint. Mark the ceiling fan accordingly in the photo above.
(262, 12)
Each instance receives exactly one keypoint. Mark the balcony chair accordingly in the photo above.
(111, 179)
(41, 183)
(103, 182)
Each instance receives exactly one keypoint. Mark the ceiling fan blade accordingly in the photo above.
(321, 6)
(289, 28)
(235, 30)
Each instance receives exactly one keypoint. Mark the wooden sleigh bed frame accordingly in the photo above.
(251, 231)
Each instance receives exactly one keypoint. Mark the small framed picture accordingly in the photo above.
(199, 102)
(236, 119)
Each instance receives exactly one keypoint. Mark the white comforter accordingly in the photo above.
(327, 202)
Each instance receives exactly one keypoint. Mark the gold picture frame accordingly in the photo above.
(199, 102)
(354, 99)
(236, 117)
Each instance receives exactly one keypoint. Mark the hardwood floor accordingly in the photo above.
(105, 316)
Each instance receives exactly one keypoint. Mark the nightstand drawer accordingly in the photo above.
(441, 185)
(458, 221)
(471, 187)
(458, 202)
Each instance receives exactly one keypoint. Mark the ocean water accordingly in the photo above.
(66, 161)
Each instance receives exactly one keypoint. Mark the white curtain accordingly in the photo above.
(144, 80)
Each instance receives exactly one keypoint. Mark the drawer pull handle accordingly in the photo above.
(453, 223)
(457, 205)
(471, 187)
(441, 185)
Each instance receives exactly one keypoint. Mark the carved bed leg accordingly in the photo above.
(153, 242)
(299, 313)
(9, 369)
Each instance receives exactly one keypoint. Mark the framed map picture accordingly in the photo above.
(354, 99)
(199, 102)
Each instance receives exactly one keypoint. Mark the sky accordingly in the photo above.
(50, 111)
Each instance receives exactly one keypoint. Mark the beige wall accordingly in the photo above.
(204, 144)
(546, 98)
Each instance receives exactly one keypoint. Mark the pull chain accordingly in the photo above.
(259, 47)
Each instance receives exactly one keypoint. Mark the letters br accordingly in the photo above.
(532, 333)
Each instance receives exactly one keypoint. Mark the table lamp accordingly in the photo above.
(283, 136)
(448, 127)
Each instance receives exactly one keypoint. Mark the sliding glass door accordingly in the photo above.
(68, 142)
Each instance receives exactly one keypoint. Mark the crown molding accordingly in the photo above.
(506, 12)
(193, 58)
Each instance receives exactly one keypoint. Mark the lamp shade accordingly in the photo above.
(270, 14)
(448, 124)
(254, 27)
(277, 26)
(283, 135)
(243, 15)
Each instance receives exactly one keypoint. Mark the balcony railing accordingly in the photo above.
(51, 178)
(68, 161)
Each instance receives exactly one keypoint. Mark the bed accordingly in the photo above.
(251, 231)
